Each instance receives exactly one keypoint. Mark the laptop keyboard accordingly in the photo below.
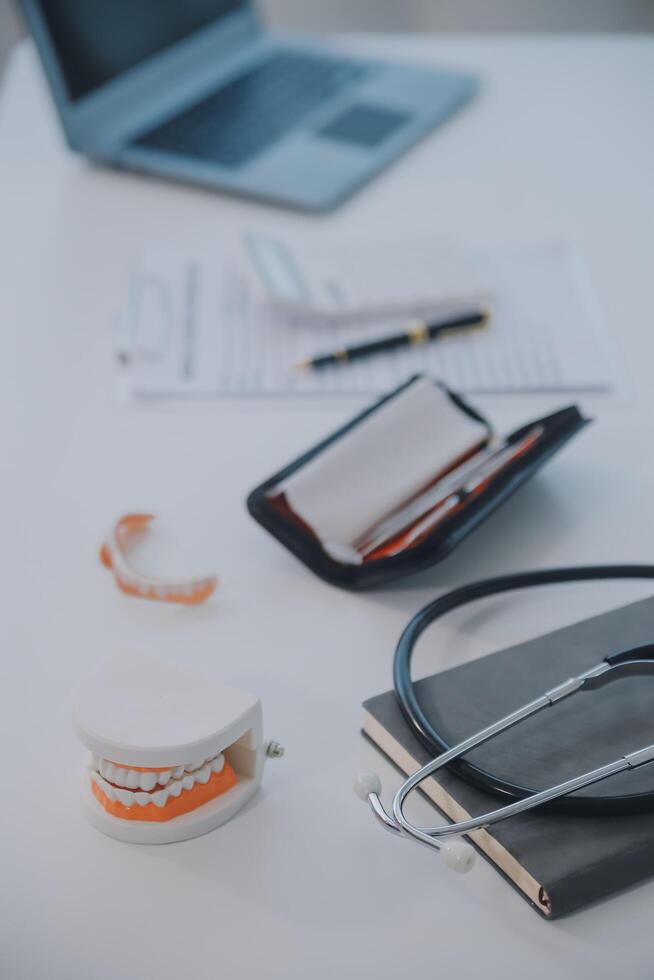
(249, 114)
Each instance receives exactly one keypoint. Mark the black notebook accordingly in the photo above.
(557, 862)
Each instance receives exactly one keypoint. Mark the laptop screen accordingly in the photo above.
(96, 40)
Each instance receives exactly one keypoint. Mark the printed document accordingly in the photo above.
(197, 325)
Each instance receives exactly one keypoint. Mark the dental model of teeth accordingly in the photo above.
(113, 555)
(141, 719)
(155, 794)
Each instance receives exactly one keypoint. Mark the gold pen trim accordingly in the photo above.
(418, 334)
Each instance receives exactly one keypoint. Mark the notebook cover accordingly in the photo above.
(558, 862)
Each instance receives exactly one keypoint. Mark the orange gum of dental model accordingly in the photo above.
(113, 555)
(188, 800)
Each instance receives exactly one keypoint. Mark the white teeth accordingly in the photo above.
(148, 780)
(192, 766)
(106, 769)
(125, 797)
(132, 779)
(105, 787)
(118, 776)
(203, 775)
(174, 781)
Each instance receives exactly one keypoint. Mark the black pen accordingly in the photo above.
(421, 333)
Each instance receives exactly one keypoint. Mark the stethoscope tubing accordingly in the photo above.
(434, 742)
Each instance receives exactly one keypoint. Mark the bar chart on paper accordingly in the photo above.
(193, 325)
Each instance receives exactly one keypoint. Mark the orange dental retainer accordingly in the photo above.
(113, 555)
(173, 754)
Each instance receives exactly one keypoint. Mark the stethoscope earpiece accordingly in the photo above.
(367, 783)
(458, 856)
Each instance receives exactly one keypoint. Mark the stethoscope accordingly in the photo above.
(457, 854)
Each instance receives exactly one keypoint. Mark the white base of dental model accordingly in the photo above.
(174, 754)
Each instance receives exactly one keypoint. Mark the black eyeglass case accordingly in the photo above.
(296, 535)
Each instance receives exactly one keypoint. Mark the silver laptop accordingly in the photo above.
(199, 90)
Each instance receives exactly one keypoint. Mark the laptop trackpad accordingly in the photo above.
(364, 125)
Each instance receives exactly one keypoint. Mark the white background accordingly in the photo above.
(302, 884)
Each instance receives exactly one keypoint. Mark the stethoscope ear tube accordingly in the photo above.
(643, 653)
(434, 742)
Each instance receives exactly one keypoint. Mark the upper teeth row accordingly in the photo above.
(133, 779)
(160, 798)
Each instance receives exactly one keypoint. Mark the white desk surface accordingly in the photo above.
(302, 884)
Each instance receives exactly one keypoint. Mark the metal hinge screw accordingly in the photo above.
(274, 750)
